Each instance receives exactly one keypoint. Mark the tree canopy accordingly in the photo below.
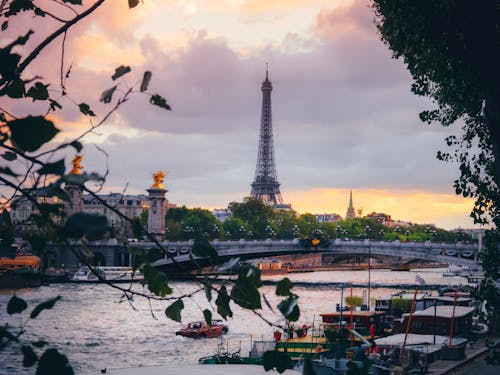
(452, 50)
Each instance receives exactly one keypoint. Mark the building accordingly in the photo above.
(328, 218)
(380, 217)
(222, 214)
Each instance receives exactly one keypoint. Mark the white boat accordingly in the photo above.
(453, 270)
(112, 274)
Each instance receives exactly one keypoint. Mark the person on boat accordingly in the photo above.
(373, 329)
(304, 330)
(373, 350)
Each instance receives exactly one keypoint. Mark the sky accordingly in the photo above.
(343, 114)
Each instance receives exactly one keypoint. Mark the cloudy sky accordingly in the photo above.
(343, 114)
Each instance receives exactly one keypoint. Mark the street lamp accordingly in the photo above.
(367, 231)
(295, 231)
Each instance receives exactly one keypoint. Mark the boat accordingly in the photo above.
(108, 274)
(201, 329)
(19, 269)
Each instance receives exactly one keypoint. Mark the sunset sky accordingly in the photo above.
(343, 114)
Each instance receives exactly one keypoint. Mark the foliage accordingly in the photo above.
(452, 50)
(50, 361)
(356, 301)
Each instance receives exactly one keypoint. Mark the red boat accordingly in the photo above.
(202, 329)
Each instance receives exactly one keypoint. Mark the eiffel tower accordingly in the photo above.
(265, 186)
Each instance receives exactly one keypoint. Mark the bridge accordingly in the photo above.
(450, 253)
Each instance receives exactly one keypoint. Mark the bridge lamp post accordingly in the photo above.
(242, 231)
(427, 232)
(367, 231)
(295, 231)
(407, 233)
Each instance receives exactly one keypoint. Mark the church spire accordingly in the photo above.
(350, 214)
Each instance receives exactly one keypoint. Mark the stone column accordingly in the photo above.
(156, 214)
(75, 203)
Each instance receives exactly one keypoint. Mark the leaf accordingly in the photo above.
(56, 168)
(208, 289)
(76, 145)
(246, 295)
(289, 308)
(146, 78)
(15, 89)
(5, 24)
(79, 179)
(274, 359)
(157, 281)
(4, 333)
(52, 362)
(85, 109)
(38, 92)
(133, 3)
(31, 132)
(283, 288)
(174, 310)
(29, 356)
(74, 2)
(107, 95)
(222, 303)
(44, 306)
(85, 224)
(159, 101)
(121, 70)
(207, 314)
(16, 305)
(39, 343)
(54, 104)
(2, 117)
(9, 156)
(203, 249)
(7, 171)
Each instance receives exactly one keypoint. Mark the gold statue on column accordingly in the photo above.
(76, 164)
(158, 180)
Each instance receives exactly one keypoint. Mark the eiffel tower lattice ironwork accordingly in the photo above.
(265, 186)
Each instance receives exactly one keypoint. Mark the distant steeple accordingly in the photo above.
(350, 214)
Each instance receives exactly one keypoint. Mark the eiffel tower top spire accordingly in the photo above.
(265, 186)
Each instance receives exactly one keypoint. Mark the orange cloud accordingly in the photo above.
(444, 210)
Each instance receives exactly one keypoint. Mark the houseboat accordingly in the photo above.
(439, 320)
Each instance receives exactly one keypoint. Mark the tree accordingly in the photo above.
(452, 50)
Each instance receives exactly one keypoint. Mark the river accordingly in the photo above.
(94, 328)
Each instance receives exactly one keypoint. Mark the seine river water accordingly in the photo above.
(95, 329)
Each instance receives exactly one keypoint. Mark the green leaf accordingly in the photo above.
(74, 2)
(44, 306)
(174, 310)
(121, 70)
(283, 288)
(5, 24)
(246, 295)
(207, 314)
(31, 132)
(84, 224)
(222, 303)
(39, 343)
(4, 333)
(157, 281)
(203, 249)
(208, 290)
(2, 117)
(145, 80)
(274, 359)
(159, 101)
(79, 179)
(7, 171)
(9, 156)
(133, 3)
(107, 95)
(38, 92)
(56, 168)
(15, 89)
(289, 308)
(29, 356)
(54, 104)
(76, 145)
(16, 305)
(85, 109)
(52, 362)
